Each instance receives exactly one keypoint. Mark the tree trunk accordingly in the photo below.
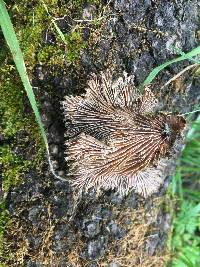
(51, 228)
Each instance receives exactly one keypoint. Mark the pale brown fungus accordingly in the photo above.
(121, 141)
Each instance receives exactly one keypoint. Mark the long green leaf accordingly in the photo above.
(11, 39)
(184, 56)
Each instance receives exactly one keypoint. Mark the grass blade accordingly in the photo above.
(184, 56)
(11, 39)
(55, 25)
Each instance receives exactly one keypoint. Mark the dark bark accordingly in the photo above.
(104, 230)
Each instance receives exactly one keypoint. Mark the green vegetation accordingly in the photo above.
(11, 101)
(35, 50)
(185, 200)
(13, 167)
(13, 119)
(184, 56)
(4, 223)
(185, 240)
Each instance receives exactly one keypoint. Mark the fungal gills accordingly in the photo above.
(118, 138)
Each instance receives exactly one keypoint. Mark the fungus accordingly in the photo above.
(119, 139)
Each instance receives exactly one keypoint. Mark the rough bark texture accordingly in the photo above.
(50, 229)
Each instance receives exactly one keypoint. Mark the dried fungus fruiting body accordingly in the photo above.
(120, 139)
